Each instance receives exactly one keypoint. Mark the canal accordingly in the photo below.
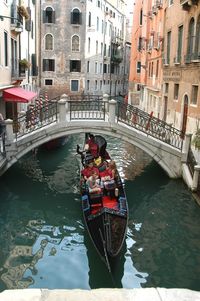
(43, 242)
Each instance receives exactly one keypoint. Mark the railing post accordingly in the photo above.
(186, 147)
(62, 110)
(195, 179)
(66, 98)
(105, 100)
(9, 130)
(112, 110)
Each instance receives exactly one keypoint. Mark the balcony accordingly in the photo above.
(17, 71)
(186, 4)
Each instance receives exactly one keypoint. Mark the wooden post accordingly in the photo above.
(186, 147)
(195, 179)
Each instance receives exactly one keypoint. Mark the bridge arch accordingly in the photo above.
(165, 155)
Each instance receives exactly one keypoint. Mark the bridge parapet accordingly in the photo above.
(66, 116)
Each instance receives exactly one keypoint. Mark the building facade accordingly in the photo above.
(82, 47)
(181, 65)
(165, 61)
(145, 87)
(17, 53)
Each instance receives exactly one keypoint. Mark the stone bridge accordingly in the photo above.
(162, 142)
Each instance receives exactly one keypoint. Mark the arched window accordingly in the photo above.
(48, 15)
(197, 41)
(190, 45)
(75, 16)
(75, 43)
(48, 42)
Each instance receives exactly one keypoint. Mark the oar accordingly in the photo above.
(105, 252)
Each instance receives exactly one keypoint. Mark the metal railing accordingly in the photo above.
(35, 118)
(94, 109)
(150, 125)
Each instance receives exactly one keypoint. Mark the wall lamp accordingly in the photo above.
(18, 28)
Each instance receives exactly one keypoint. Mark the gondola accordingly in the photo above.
(105, 213)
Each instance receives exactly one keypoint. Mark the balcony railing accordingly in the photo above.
(17, 71)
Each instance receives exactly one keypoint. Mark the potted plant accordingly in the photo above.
(24, 63)
(23, 12)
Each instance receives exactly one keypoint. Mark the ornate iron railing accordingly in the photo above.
(35, 118)
(94, 109)
(150, 125)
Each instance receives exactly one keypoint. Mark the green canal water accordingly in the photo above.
(44, 244)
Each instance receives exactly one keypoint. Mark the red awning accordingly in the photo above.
(18, 94)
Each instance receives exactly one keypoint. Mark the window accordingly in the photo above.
(141, 16)
(197, 41)
(149, 69)
(48, 82)
(104, 50)
(176, 91)
(89, 19)
(88, 85)
(48, 42)
(97, 23)
(157, 68)
(74, 85)
(75, 43)
(96, 67)
(48, 65)
(171, 2)
(104, 68)
(100, 85)
(166, 87)
(101, 66)
(194, 95)
(101, 48)
(152, 69)
(180, 41)
(168, 46)
(97, 46)
(96, 85)
(138, 67)
(190, 45)
(88, 66)
(75, 66)
(76, 16)
(5, 49)
(48, 15)
(88, 45)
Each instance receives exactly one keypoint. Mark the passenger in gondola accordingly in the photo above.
(93, 183)
(88, 170)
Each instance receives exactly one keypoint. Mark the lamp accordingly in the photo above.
(19, 27)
